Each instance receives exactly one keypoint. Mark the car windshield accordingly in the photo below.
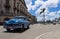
(19, 18)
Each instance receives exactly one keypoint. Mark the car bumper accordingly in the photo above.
(12, 27)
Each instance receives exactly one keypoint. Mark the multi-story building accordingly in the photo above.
(11, 8)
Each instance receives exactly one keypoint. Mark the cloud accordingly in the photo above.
(38, 3)
(39, 18)
(59, 12)
(47, 4)
(28, 1)
(51, 3)
(28, 4)
(52, 14)
(33, 7)
(49, 15)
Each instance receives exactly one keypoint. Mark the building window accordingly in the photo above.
(7, 7)
(1, 13)
(7, 1)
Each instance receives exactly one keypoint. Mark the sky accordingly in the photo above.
(52, 8)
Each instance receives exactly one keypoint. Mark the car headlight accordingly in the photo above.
(16, 21)
(5, 22)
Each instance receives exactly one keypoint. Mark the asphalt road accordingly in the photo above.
(34, 31)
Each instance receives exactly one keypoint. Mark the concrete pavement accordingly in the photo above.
(49, 35)
(53, 34)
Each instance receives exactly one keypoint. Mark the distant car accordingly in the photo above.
(54, 23)
(18, 22)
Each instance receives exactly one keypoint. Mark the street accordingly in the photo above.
(34, 32)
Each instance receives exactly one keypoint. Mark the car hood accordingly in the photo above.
(14, 21)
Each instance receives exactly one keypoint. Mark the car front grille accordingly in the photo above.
(13, 24)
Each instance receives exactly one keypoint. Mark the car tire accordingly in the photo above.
(22, 29)
(28, 27)
(8, 30)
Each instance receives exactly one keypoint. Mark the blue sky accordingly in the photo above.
(52, 8)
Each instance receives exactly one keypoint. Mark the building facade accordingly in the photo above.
(11, 8)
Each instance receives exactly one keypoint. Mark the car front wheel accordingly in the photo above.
(22, 29)
(28, 27)
(8, 29)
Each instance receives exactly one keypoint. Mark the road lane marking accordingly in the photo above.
(47, 33)
(39, 36)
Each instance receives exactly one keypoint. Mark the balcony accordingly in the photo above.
(8, 14)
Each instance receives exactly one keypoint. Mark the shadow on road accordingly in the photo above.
(15, 31)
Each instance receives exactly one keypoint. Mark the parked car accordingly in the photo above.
(18, 22)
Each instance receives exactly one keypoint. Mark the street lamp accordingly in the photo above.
(43, 10)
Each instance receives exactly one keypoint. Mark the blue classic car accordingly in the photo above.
(18, 22)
